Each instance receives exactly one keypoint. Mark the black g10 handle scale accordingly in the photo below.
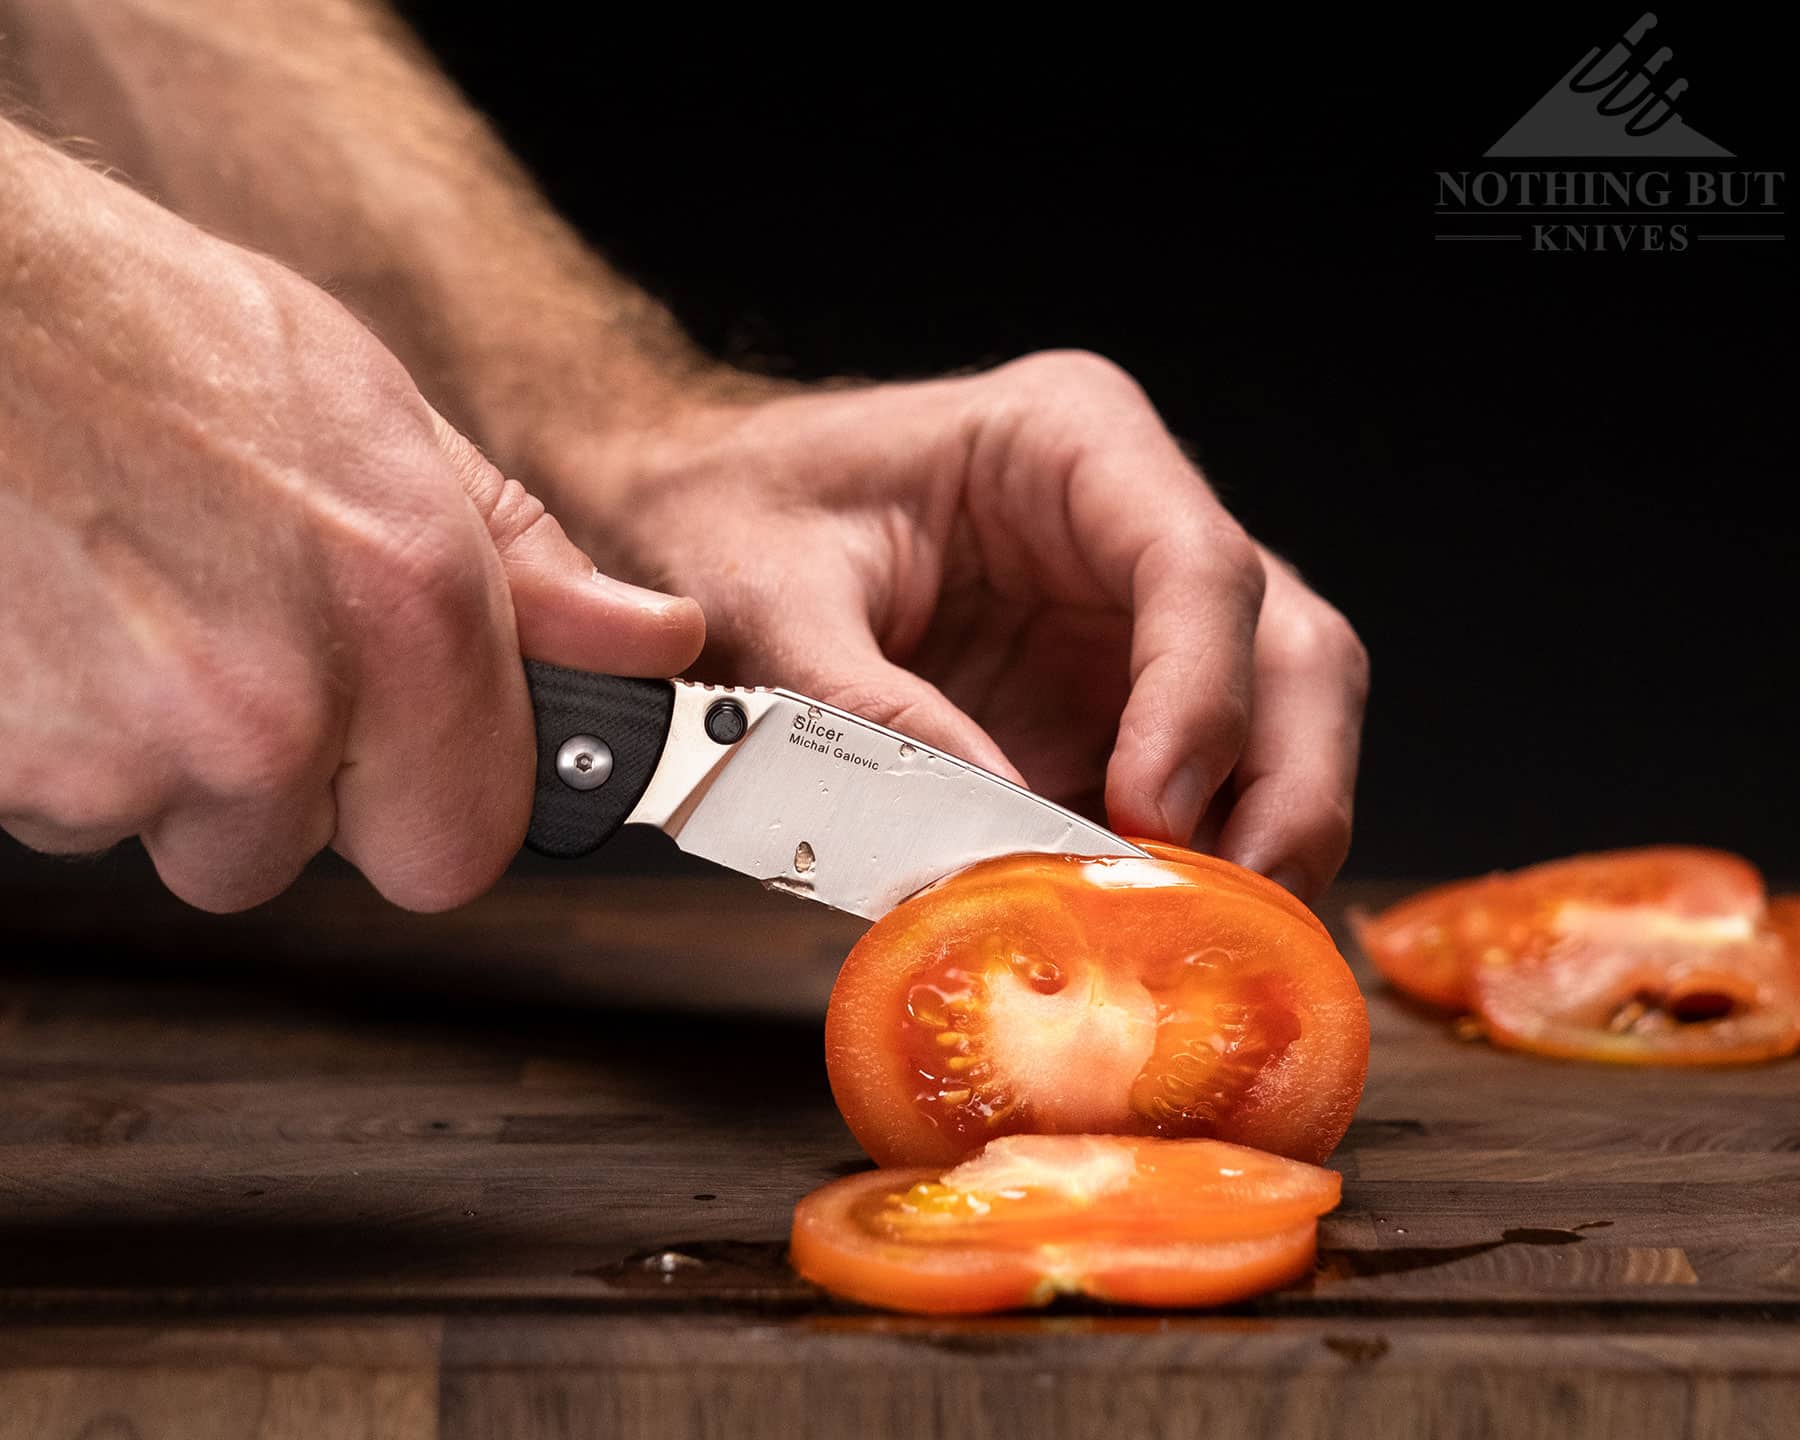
(599, 739)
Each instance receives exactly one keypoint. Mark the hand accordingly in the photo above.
(261, 599)
(1020, 567)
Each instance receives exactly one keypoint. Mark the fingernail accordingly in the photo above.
(1181, 801)
(638, 594)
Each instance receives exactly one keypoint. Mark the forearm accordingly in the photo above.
(317, 131)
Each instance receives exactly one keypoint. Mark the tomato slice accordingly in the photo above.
(1224, 871)
(1432, 944)
(1171, 996)
(1645, 987)
(1658, 956)
(1134, 1220)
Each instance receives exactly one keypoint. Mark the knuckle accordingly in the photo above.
(1317, 635)
(1214, 547)
(475, 474)
(1076, 371)
(515, 513)
(1234, 553)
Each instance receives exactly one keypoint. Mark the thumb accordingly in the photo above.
(567, 612)
(570, 614)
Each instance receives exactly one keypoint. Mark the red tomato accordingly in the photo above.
(1175, 996)
(1431, 944)
(1655, 956)
(1428, 945)
(1139, 1221)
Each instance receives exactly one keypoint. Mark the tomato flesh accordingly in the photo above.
(1156, 997)
(1647, 987)
(1665, 955)
(1136, 1220)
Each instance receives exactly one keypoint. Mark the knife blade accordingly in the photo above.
(800, 795)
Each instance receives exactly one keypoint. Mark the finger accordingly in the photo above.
(1196, 590)
(252, 801)
(567, 612)
(1296, 779)
(843, 666)
(51, 839)
(437, 795)
(78, 803)
(227, 856)
(1138, 530)
(1212, 821)
(435, 791)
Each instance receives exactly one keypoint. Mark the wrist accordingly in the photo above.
(601, 448)
(579, 369)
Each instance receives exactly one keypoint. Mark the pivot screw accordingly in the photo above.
(725, 722)
(585, 762)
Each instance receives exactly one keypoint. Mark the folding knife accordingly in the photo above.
(798, 794)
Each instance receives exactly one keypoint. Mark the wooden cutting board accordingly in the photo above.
(328, 1170)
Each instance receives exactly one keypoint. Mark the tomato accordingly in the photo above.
(1648, 988)
(1662, 956)
(1431, 944)
(1171, 996)
(1784, 920)
(1224, 871)
(1135, 1220)
(1428, 945)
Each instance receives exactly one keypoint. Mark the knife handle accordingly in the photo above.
(599, 738)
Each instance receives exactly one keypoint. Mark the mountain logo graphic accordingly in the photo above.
(1611, 104)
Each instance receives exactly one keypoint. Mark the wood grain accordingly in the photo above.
(326, 1169)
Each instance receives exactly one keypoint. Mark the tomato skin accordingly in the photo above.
(1427, 945)
(1288, 1081)
(1223, 871)
(1597, 956)
(1179, 1252)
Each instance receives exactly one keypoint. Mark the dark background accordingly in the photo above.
(1552, 492)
